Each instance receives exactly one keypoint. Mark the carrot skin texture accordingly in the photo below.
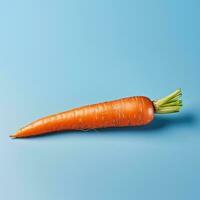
(130, 111)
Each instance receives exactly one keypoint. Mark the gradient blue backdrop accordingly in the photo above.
(57, 54)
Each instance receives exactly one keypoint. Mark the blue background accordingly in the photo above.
(57, 54)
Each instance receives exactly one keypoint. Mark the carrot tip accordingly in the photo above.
(13, 136)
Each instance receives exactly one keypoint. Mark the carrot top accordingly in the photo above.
(169, 104)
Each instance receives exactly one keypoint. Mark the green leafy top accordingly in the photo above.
(169, 104)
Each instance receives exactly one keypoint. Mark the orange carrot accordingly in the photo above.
(130, 111)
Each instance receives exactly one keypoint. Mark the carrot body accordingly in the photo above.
(130, 111)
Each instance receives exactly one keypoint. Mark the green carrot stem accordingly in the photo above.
(173, 103)
(169, 104)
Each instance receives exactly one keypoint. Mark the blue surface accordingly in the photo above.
(55, 55)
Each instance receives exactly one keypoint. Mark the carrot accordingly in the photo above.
(130, 111)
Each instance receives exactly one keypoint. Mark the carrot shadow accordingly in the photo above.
(159, 124)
